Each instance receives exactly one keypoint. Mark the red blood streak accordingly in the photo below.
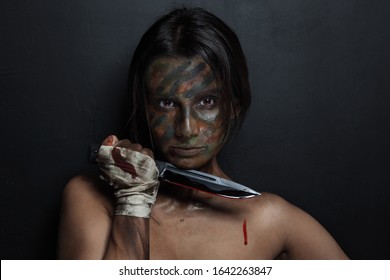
(245, 233)
(122, 164)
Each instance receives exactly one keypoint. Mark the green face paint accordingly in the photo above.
(184, 111)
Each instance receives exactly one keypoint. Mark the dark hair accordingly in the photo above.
(190, 32)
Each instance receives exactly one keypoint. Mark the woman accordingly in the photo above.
(190, 91)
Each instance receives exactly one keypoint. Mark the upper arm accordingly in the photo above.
(85, 219)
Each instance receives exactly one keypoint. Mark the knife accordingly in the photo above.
(202, 181)
(194, 179)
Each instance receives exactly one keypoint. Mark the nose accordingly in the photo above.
(186, 124)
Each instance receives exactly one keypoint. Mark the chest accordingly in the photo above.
(204, 235)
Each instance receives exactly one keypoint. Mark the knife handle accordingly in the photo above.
(93, 150)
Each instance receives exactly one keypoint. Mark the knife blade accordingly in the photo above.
(203, 182)
(193, 179)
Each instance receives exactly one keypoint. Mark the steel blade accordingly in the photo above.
(203, 182)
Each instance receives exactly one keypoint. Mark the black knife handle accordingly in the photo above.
(93, 150)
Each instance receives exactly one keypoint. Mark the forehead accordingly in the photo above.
(168, 72)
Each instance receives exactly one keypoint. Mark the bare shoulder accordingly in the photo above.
(88, 187)
(304, 236)
(269, 203)
(280, 209)
(273, 213)
(86, 212)
(84, 179)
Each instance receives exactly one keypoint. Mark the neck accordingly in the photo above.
(181, 198)
(213, 168)
(189, 195)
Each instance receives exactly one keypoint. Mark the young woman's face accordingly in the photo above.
(184, 111)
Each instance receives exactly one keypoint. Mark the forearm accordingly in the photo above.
(129, 239)
(133, 174)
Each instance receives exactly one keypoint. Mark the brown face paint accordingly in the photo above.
(184, 107)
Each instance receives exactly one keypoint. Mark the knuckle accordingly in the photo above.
(136, 147)
(124, 143)
(147, 152)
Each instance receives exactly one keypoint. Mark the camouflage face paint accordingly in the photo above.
(184, 110)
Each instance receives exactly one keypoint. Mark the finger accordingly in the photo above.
(125, 143)
(110, 140)
(147, 152)
(136, 147)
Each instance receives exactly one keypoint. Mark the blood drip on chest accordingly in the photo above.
(245, 233)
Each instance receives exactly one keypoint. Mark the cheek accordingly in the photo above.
(157, 121)
(211, 126)
(161, 126)
(215, 136)
(167, 134)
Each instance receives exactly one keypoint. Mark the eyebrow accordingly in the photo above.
(215, 91)
(212, 91)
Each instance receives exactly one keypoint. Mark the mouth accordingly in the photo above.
(186, 151)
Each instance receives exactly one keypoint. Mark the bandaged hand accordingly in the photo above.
(132, 172)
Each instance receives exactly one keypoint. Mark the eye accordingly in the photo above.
(208, 102)
(166, 103)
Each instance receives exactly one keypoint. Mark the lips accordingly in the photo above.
(186, 151)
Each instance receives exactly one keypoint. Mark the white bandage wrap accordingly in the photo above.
(134, 177)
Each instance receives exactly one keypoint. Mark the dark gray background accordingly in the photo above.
(317, 133)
